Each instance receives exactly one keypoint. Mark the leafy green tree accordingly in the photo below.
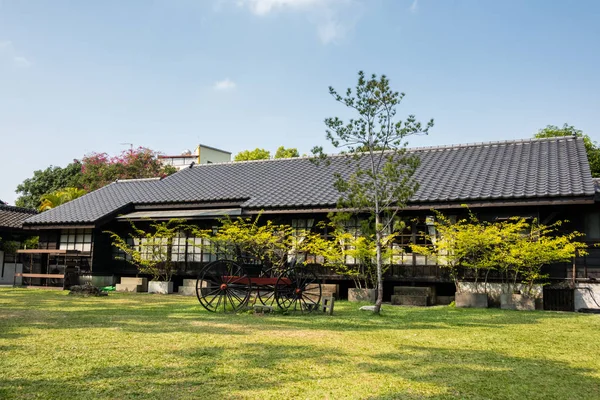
(381, 179)
(59, 197)
(47, 181)
(249, 155)
(282, 152)
(591, 147)
(150, 252)
(99, 169)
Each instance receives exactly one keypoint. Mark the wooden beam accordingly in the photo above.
(53, 276)
(41, 251)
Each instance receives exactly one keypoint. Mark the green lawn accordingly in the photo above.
(151, 346)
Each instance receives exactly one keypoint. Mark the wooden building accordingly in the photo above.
(548, 179)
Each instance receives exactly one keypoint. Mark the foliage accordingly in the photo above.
(241, 239)
(9, 246)
(517, 248)
(592, 149)
(99, 169)
(249, 155)
(542, 245)
(350, 254)
(92, 172)
(150, 252)
(282, 152)
(464, 242)
(47, 181)
(62, 196)
(375, 144)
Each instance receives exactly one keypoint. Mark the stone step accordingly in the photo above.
(412, 291)
(128, 287)
(404, 300)
(136, 281)
(189, 282)
(187, 290)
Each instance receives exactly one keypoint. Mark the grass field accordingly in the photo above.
(135, 346)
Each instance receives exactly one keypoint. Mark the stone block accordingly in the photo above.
(404, 300)
(327, 289)
(160, 287)
(517, 302)
(190, 282)
(143, 282)
(128, 287)
(369, 295)
(471, 300)
(187, 290)
(444, 300)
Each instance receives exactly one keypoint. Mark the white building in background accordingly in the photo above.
(202, 155)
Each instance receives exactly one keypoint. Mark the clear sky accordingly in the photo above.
(83, 76)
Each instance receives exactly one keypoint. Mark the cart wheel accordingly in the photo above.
(223, 286)
(266, 293)
(298, 289)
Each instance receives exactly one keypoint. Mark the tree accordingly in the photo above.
(99, 169)
(47, 181)
(592, 149)
(249, 155)
(542, 245)
(150, 250)
(381, 179)
(282, 152)
(342, 245)
(59, 197)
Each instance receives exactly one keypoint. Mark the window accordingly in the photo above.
(76, 239)
(200, 250)
(118, 254)
(300, 228)
(592, 226)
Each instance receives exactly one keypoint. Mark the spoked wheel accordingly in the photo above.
(265, 291)
(223, 286)
(298, 289)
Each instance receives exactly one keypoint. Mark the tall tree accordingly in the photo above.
(381, 181)
(592, 149)
(46, 181)
(99, 169)
(282, 152)
(256, 154)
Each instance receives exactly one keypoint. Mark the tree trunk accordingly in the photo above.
(379, 265)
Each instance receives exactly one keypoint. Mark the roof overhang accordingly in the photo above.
(162, 215)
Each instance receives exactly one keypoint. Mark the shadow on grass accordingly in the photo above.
(481, 374)
(269, 370)
(170, 314)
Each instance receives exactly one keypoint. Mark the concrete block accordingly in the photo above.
(403, 300)
(517, 302)
(444, 300)
(143, 282)
(369, 295)
(190, 282)
(187, 290)
(128, 287)
(160, 287)
(471, 300)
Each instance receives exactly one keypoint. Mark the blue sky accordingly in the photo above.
(77, 77)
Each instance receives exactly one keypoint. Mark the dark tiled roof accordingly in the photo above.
(512, 170)
(12, 217)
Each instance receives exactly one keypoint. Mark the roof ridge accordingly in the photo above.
(158, 178)
(491, 143)
(17, 208)
(419, 148)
